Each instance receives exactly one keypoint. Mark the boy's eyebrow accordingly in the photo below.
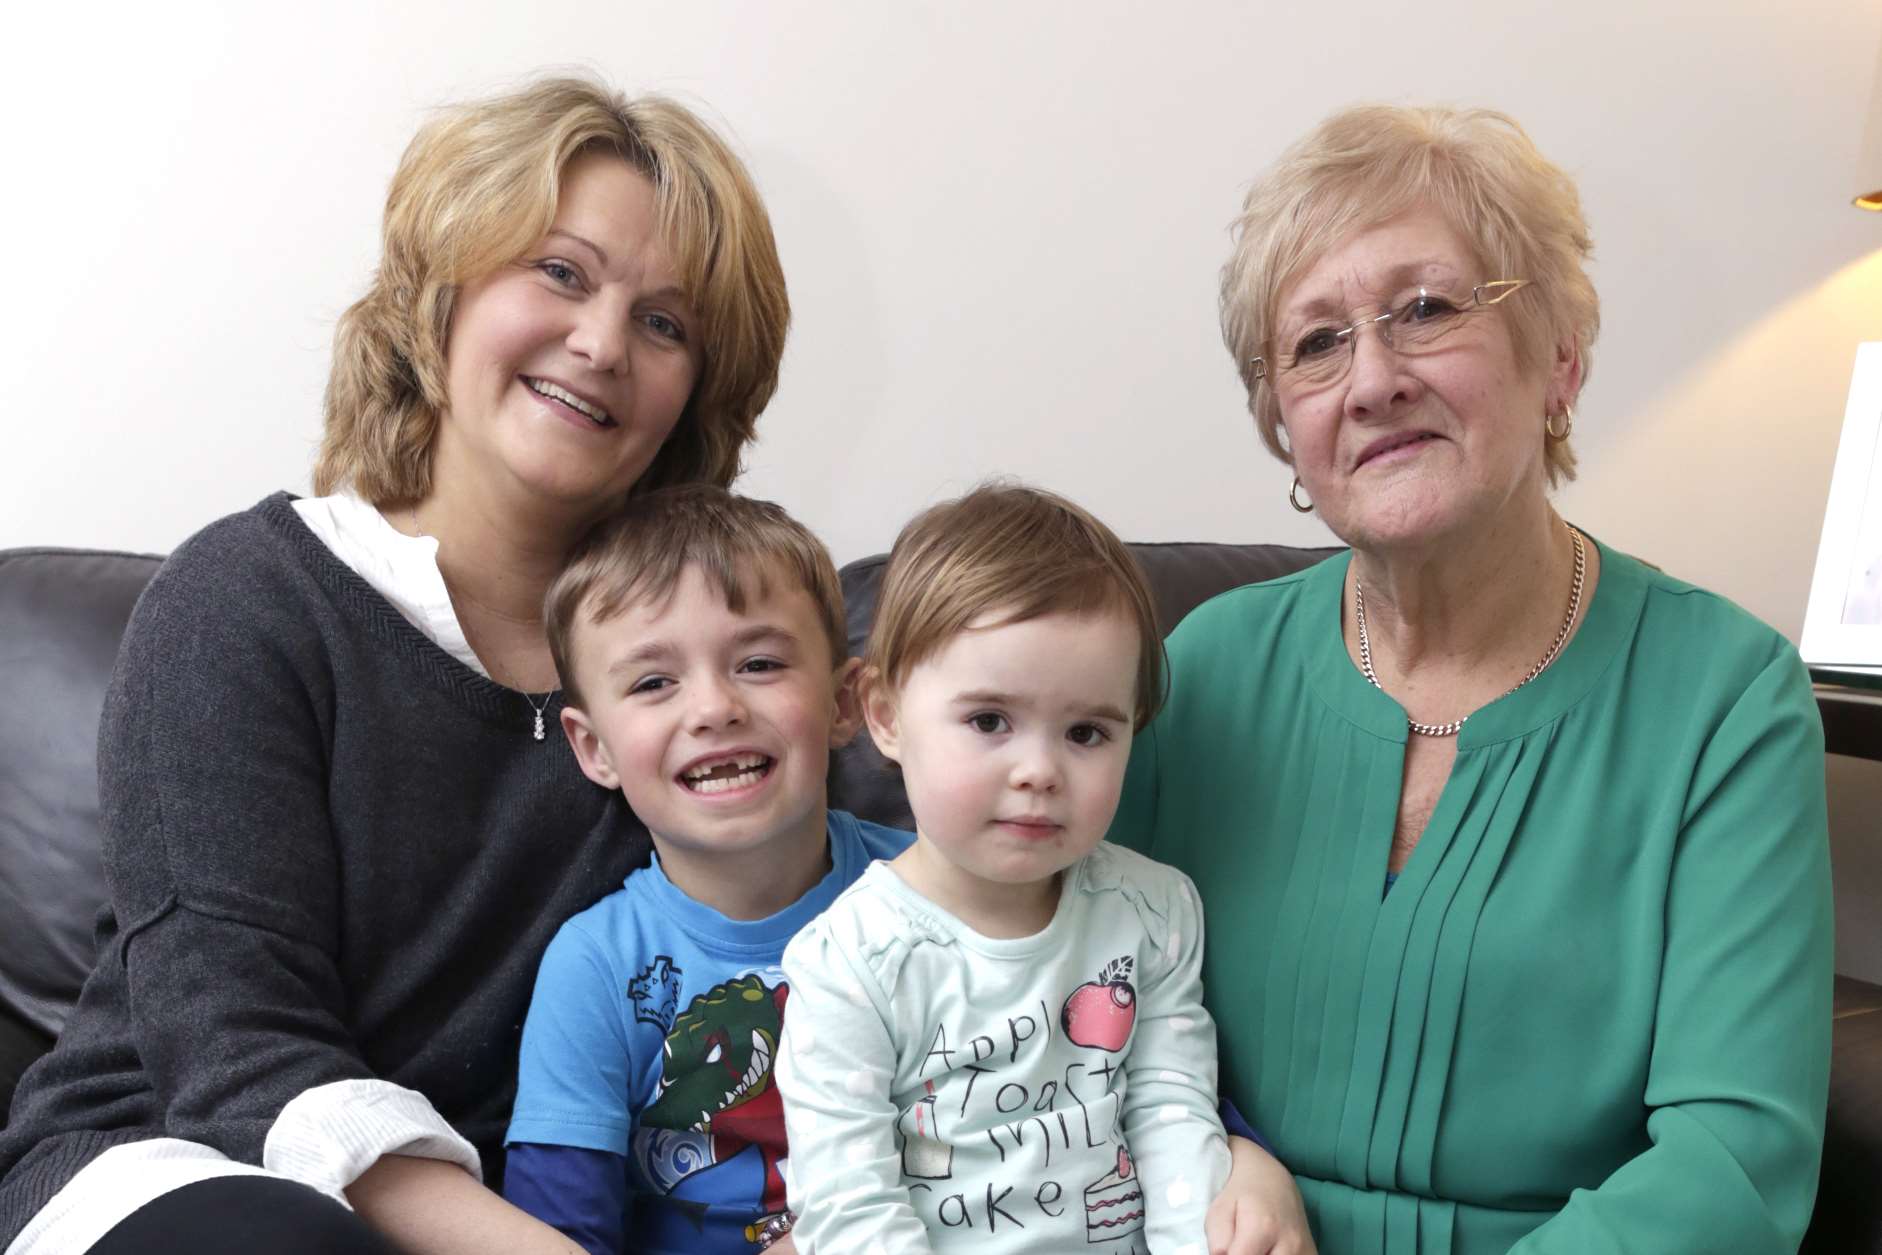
(646, 651)
(762, 632)
(659, 650)
(993, 697)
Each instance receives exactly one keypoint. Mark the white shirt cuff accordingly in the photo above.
(329, 1135)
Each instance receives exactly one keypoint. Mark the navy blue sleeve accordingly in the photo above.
(1237, 1124)
(581, 1192)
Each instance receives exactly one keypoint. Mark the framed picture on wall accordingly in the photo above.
(1843, 624)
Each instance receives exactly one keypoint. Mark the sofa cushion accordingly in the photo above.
(61, 614)
(1848, 1216)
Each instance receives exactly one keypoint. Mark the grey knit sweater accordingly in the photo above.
(334, 852)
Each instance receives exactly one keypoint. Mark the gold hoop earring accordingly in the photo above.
(1293, 498)
(1568, 423)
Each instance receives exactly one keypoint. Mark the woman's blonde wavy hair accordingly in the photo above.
(1364, 165)
(477, 187)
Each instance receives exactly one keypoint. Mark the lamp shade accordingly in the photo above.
(1869, 169)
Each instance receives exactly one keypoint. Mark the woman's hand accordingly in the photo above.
(1259, 1211)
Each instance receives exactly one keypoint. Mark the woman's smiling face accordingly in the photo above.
(1408, 449)
(567, 369)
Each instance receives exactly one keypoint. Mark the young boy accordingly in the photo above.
(699, 639)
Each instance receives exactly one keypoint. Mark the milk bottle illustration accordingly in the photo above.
(924, 1154)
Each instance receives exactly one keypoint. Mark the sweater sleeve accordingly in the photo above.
(214, 782)
(1170, 1119)
(835, 1069)
(1739, 1071)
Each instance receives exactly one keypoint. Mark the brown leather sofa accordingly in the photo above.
(62, 612)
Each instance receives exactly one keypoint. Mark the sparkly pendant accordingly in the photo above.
(539, 725)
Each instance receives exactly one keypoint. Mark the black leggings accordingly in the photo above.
(241, 1215)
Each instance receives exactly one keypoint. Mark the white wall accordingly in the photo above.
(1001, 225)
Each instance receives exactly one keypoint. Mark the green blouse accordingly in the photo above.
(1593, 1015)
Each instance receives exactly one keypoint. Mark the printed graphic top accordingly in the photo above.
(949, 1091)
(646, 1118)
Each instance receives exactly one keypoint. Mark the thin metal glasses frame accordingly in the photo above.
(1484, 295)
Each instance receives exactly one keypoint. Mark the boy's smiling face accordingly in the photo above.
(717, 725)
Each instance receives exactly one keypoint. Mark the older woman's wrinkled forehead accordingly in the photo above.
(1330, 272)
(1363, 275)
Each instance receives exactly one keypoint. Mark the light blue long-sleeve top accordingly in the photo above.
(944, 1090)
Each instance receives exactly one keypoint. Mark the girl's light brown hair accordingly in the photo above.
(640, 552)
(478, 187)
(1015, 552)
(1478, 169)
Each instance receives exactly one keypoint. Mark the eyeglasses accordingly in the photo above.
(1323, 354)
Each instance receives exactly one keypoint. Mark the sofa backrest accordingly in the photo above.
(1182, 576)
(62, 612)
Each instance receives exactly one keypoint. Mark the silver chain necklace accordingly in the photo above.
(1561, 638)
(538, 707)
(411, 518)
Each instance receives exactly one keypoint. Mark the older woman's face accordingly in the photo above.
(567, 369)
(1410, 449)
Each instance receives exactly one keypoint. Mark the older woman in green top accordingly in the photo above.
(1512, 848)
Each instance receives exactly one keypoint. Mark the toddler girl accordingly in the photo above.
(998, 1038)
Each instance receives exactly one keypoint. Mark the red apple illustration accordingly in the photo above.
(1099, 1014)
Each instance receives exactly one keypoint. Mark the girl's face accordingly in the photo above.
(567, 369)
(1013, 741)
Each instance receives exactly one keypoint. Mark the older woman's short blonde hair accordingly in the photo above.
(1365, 165)
(477, 187)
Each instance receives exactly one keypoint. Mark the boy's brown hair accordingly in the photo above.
(639, 553)
(1017, 552)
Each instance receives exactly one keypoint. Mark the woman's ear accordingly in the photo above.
(590, 754)
(1564, 376)
(849, 703)
(880, 714)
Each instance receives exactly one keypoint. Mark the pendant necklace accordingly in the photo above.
(538, 709)
(539, 731)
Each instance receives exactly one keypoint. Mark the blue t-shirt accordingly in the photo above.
(646, 1117)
